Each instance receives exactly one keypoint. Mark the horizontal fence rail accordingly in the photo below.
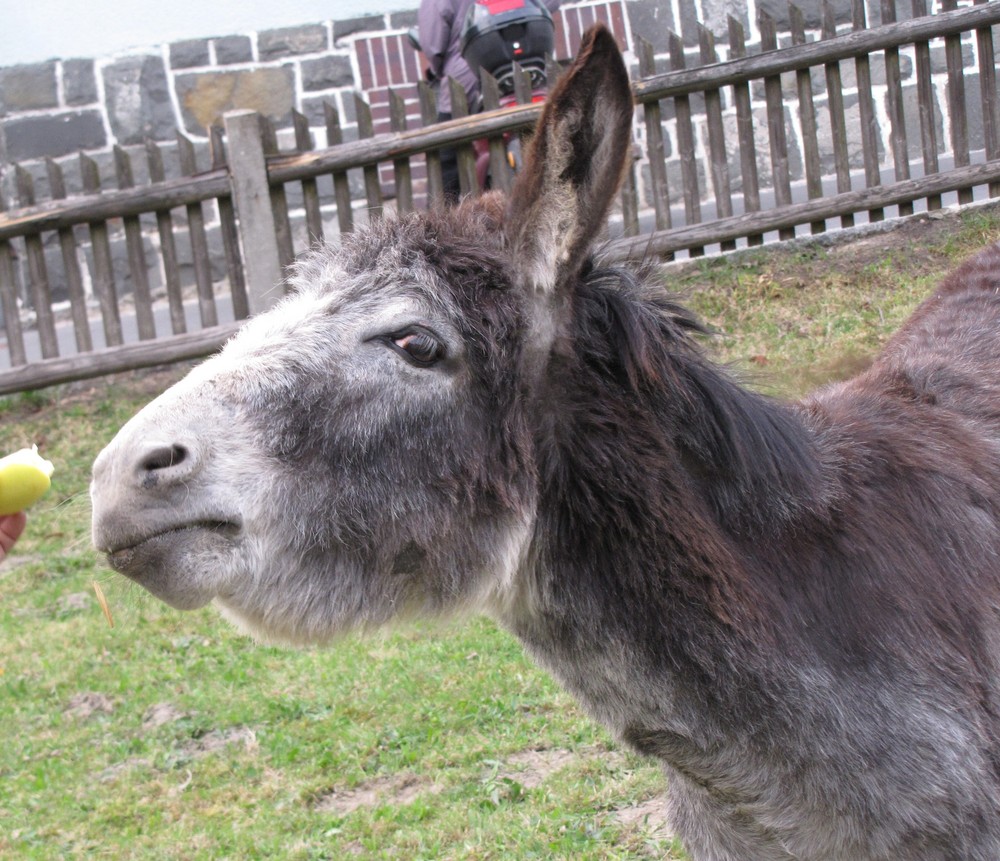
(396, 145)
(820, 127)
(80, 209)
(99, 363)
(751, 223)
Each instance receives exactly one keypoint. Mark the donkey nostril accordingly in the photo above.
(165, 463)
(164, 457)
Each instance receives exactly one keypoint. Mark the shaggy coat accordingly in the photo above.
(795, 607)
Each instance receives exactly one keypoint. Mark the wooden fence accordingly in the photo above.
(258, 195)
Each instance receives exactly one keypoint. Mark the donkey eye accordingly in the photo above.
(418, 346)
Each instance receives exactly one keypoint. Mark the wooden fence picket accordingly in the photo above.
(38, 278)
(366, 129)
(279, 200)
(659, 187)
(781, 179)
(749, 178)
(248, 179)
(8, 301)
(718, 156)
(894, 105)
(428, 116)
(168, 245)
(230, 233)
(142, 299)
(71, 264)
(685, 142)
(500, 171)
(837, 113)
(522, 86)
(400, 166)
(989, 95)
(465, 156)
(866, 107)
(199, 240)
(630, 199)
(956, 100)
(310, 190)
(104, 273)
(523, 96)
(925, 103)
(341, 185)
(807, 118)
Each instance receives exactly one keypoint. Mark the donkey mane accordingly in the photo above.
(747, 453)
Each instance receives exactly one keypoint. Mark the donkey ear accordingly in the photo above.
(574, 165)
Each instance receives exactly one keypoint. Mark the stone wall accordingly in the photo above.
(59, 107)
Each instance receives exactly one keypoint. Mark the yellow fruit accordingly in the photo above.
(24, 477)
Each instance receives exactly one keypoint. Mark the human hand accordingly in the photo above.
(11, 527)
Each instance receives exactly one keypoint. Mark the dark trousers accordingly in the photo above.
(449, 168)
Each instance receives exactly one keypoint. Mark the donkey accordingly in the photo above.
(795, 607)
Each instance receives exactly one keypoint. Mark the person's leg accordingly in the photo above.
(449, 168)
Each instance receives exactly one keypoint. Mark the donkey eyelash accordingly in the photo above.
(417, 345)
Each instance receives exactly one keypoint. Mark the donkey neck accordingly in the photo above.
(657, 476)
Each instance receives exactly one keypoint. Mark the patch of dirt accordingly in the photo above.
(649, 816)
(915, 237)
(73, 602)
(190, 749)
(159, 714)
(14, 563)
(84, 705)
(396, 790)
(218, 739)
(530, 768)
(113, 771)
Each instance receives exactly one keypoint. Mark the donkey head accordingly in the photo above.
(366, 449)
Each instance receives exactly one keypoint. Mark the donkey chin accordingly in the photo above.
(178, 566)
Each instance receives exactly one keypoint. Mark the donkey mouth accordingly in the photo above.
(181, 564)
(123, 554)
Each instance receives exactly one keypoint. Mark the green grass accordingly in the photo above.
(797, 317)
(171, 736)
